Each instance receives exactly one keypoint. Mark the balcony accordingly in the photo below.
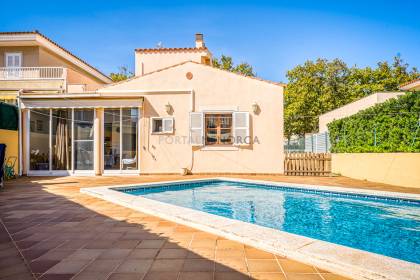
(33, 78)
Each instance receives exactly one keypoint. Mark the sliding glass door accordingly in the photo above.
(83, 139)
(60, 141)
(120, 139)
(39, 140)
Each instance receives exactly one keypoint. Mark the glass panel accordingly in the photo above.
(226, 136)
(83, 157)
(218, 129)
(157, 125)
(61, 139)
(39, 139)
(129, 138)
(83, 124)
(112, 139)
(83, 139)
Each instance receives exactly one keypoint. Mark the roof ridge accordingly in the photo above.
(242, 75)
(55, 44)
(410, 82)
(187, 61)
(171, 49)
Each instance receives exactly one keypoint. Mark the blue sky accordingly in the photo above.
(273, 36)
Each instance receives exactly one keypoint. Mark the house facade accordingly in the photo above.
(33, 65)
(177, 114)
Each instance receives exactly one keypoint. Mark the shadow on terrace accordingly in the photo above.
(64, 234)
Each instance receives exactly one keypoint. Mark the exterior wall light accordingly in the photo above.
(168, 108)
(255, 108)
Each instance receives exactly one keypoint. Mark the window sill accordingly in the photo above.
(219, 148)
(161, 133)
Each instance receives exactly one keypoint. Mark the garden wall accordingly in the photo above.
(401, 169)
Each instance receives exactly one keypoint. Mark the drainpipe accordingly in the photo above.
(19, 133)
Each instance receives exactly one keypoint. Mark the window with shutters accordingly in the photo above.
(162, 125)
(218, 129)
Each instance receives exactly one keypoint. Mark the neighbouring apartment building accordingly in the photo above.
(178, 113)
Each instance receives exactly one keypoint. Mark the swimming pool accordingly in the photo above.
(377, 224)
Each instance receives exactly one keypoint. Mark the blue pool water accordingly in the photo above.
(380, 225)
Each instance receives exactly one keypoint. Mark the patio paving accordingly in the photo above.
(63, 234)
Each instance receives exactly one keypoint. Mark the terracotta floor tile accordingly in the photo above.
(331, 276)
(303, 276)
(56, 254)
(86, 275)
(198, 265)
(196, 276)
(151, 244)
(143, 254)
(172, 254)
(56, 276)
(231, 264)
(41, 266)
(268, 276)
(126, 276)
(68, 267)
(135, 266)
(234, 275)
(229, 253)
(225, 244)
(125, 244)
(290, 266)
(102, 265)
(116, 254)
(203, 243)
(253, 253)
(85, 254)
(259, 265)
(197, 253)
(161, 275)
(167, 265)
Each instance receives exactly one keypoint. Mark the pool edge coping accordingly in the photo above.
(346, 261)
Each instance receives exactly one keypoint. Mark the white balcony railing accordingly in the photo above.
(33, 73)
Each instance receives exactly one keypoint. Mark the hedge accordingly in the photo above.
(392, 126)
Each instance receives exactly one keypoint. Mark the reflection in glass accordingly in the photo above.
(83, 139)
(61, 139)
(112, 139)
(129, 138)
(39, 139)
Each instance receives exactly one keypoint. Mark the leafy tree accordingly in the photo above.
(122, 75)
(226, 63)
(317, 87)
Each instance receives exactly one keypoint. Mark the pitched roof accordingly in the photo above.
(158, 50)
(409, 83)
(189, 61)
(36, 32)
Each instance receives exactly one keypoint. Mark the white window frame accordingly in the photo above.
(163, 119)
(121, 170)
(13, 54)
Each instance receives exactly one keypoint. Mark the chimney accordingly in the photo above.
(199, 41)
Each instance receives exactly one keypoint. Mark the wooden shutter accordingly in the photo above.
(168, 125)
(241, 128)
(196, 128)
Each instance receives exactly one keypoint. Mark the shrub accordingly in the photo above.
(392, 126)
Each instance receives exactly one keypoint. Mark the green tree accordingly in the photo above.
(122, 75)
(317, 87)
(226, 63)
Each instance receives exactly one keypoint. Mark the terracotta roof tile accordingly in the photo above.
(155, 50)
(410, 82)
(54, 43)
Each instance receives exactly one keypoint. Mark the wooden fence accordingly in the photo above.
(307, 164)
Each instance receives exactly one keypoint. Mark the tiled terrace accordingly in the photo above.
(50, 230)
